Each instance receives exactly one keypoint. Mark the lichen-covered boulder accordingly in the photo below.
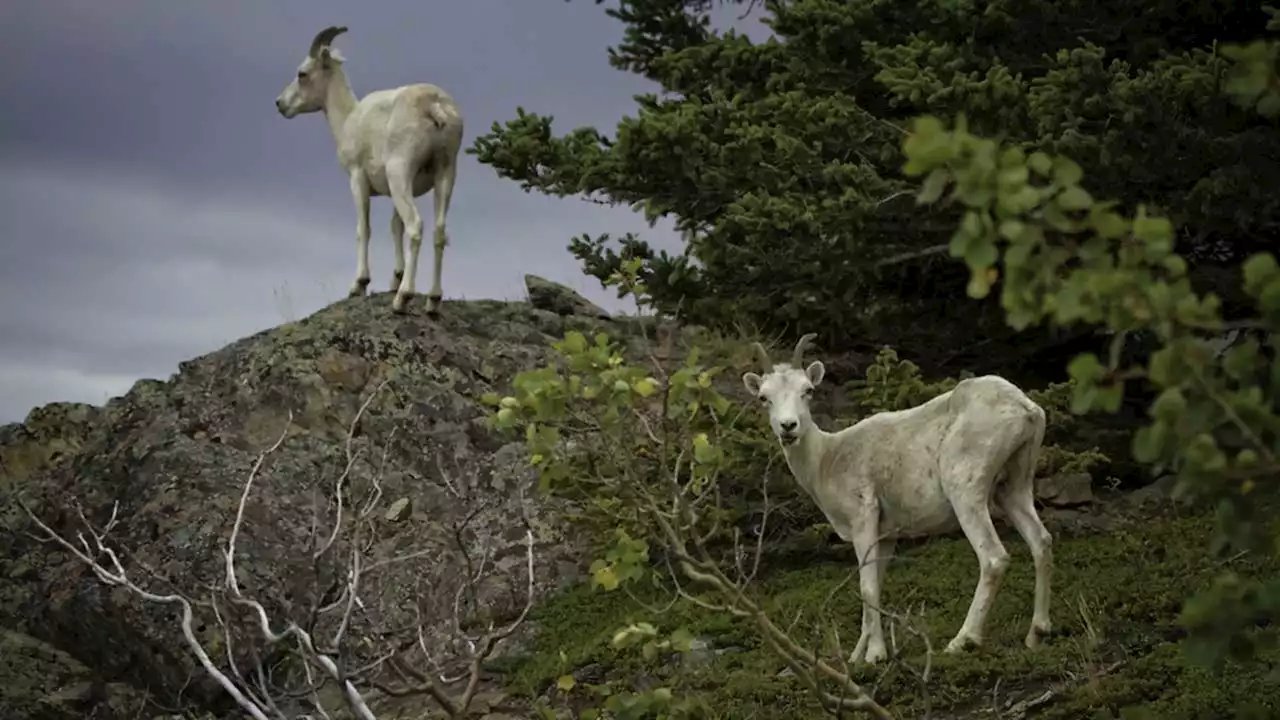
(175, 455)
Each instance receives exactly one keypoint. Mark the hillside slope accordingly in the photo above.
(175, 454)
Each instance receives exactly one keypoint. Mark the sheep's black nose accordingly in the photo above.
(787, 425)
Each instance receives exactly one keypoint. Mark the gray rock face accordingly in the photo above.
(41, 681)
(1065, 490)
(175, 455)
(560, 299)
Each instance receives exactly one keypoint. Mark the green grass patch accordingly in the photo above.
(1116, 651)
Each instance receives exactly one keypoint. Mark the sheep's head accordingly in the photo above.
(309, 88)
(786, 390)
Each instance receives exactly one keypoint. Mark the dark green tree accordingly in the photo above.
(780, 161)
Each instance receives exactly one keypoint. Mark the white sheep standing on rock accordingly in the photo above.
(401, 143)
(922, 471)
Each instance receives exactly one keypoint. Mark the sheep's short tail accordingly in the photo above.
(439, 115)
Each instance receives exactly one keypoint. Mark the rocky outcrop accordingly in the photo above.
(1065, 489)
(40, 681)
(174, 455)
(548, 295)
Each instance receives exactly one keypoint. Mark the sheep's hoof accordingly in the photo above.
(358, 288)
(875, 655)
(961, 643)
(395, 281)
(1036, 634)
(400, 304)
(433, 304)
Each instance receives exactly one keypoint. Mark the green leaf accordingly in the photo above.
(1269, 299)
(605, 577)
(1154, 231)
(979, 284)
(1169, 405)
(1148, 443)
(1013, 177)
(1066, 172)
(1164, 367)
(1258, 271)
(682, 640)
(1240, 362)
(649, 650)
(1013, 157)
(1040, 163)
(1083, 398)
(1269, 104)
(1175, 265)
(1074, 198)
(1012, 230)
(927, 127)
(971, 224)
(981, 253)
(1109, 225)
(703, 451)
(1086, 368)
(565, 683)
(959, 245)
(933, 186)
(574, 342)
(1109, 397)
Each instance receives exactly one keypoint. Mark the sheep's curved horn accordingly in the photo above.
(324, 37)
(763, 356)
(798, 355)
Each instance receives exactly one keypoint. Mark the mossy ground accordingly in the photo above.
(1116, 651)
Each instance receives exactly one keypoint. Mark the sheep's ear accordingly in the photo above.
(815, 371)
(752, 382)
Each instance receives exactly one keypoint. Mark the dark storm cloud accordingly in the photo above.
(153, 206)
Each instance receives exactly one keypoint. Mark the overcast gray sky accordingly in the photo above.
(155, 207)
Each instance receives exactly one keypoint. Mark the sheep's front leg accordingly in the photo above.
(873, 558)
(360, 193)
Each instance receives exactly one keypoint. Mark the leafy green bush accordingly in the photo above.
(644, 455)
(618, 441)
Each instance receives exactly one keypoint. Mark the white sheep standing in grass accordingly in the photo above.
(911, 473)
(401, 143)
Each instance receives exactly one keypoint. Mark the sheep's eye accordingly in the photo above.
(763, 400)
(808, 392)
(302, 75)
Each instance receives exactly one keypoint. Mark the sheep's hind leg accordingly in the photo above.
(400, 180)
(1018, 501)
(397, 239)
(443, 192)
(993, 559)
(360, 193)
